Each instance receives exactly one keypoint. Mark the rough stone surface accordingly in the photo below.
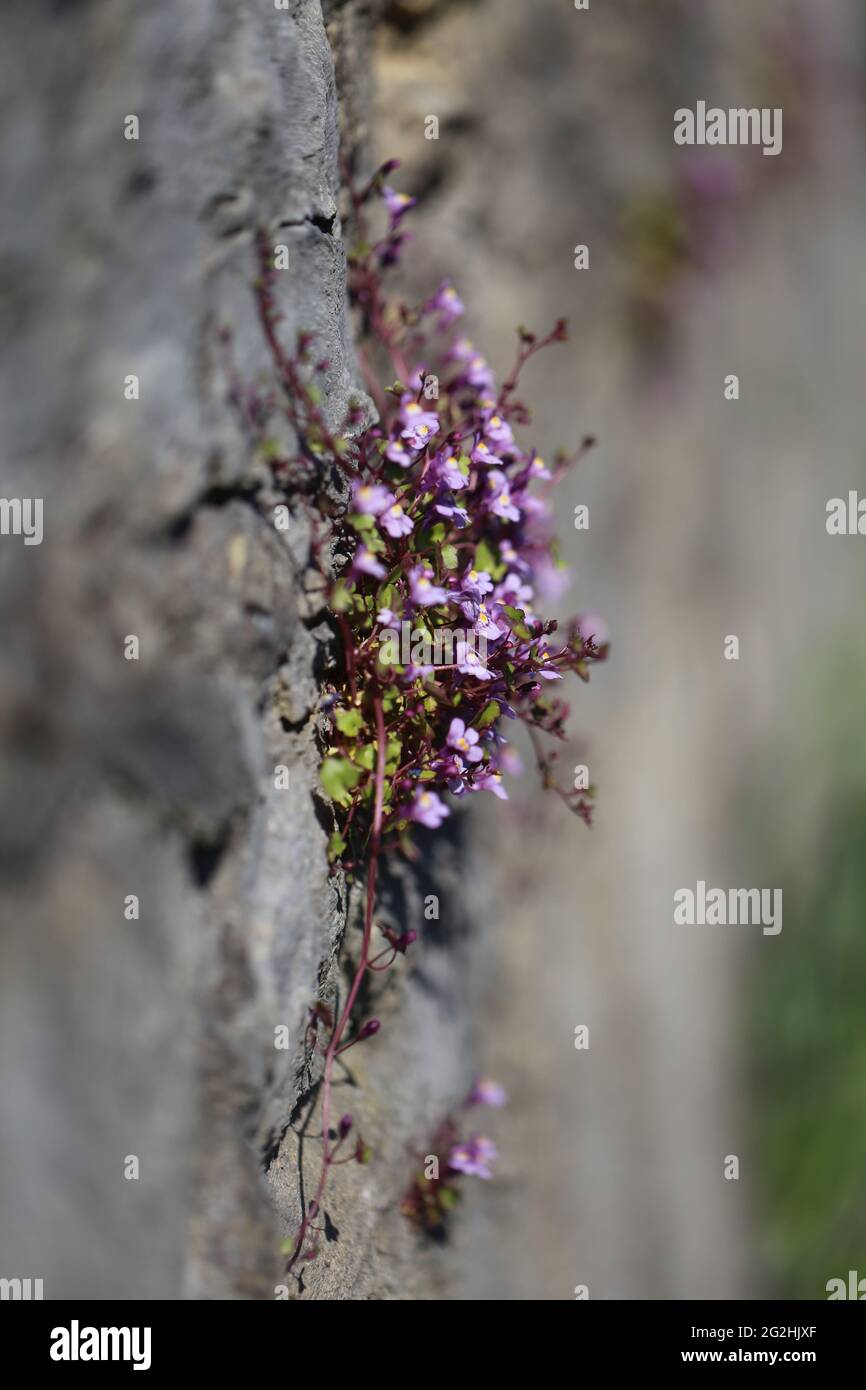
(154, 1038)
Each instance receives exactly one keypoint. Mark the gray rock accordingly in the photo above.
(154, 1037)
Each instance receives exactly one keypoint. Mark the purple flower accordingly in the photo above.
(485, 625)
(509, 760)
(395, 521)
(510, 557)
(398, 453)
(427, 809)
(491, 782)
(459, 515)
(552, 580)
(476, 371)
(371, 498)
(498, 431)
(592, 625)
(482, 453)
(478, 374)
(447, 304)
(473, 1156)
(445, 469)
(464, 741)
(501, 504)
(547, 671)
(469, 663)
(420, 425)
(397, 203)
(424, 592)
(477, 583)
(460, 351)
(513, 591)
(365, 563)
(386, 617)
(487, 1092)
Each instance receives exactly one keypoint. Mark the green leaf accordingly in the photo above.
(341, 599)
(487, 715)
(485, 559)
(517, 618)
(349, 722)
(366, 756)
(449, 557)
(338, 776)
(362, 521)
(336, 846)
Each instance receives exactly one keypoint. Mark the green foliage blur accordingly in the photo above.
(807, 1002)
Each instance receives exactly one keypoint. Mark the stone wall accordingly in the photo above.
(153, 1037)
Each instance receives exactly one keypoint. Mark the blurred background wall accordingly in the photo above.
(707, 518)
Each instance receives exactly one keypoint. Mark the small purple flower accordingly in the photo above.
(397, 203)
(473, 1156)
(509, 760)
(505, 508)
(447, 304)
(427, 809)
(445, 469)
(398, 453)
(487, 1092)
(592, 625)
(491, 782)
(509, 556)
(365, 563)
(420, 425)
(483, 454)
(501, 504)
(513, 591)
(547, 670)
(477, 583)
(460, 351)
(458, 514)
(386, 617)
(485, 625)
(464, 741)
(552, 580)
(469, 663)
(498, 431)
(422, 589)
(371, 498)
(478, 374)
(395, 521)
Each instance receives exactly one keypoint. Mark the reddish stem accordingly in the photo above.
(315, 1205)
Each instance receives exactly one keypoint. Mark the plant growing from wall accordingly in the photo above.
(449, 531)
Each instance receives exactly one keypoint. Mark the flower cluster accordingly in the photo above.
(453, 549)
(434, 1190)
(449, 543)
